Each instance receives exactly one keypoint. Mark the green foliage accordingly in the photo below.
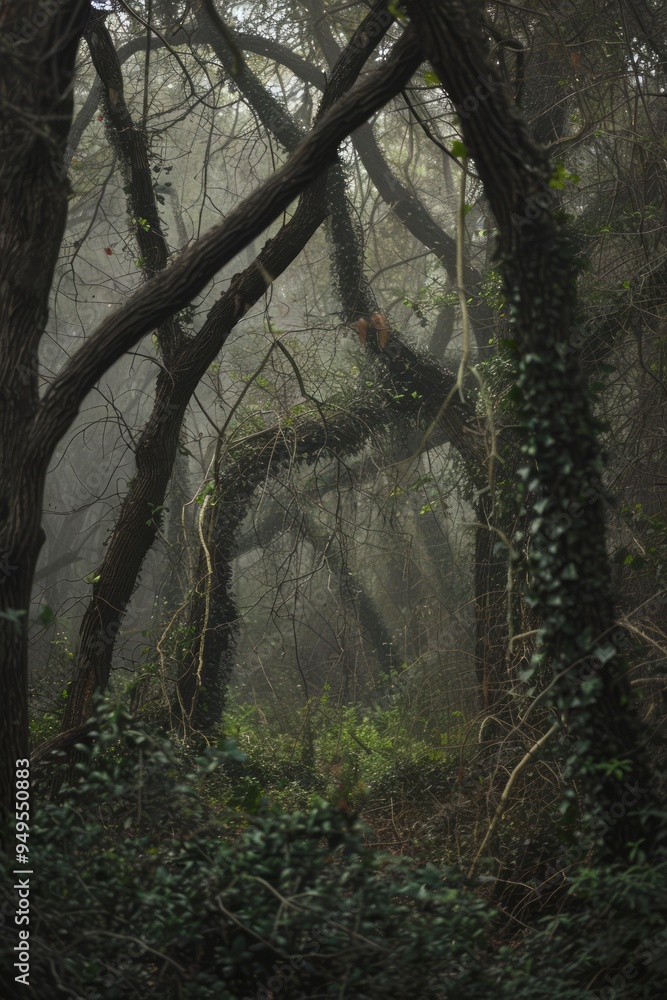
(351, 751)
(609, 942)
(145, 890)
(493, 290)
(133, 856)
(561, 176)
(46, 616)
(208, 491)
(44, 727)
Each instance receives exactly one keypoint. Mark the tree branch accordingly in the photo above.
(174, 288)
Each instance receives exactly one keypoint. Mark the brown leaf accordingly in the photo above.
(380, 324)
(362, 330)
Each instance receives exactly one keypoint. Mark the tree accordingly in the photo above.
(570, 578)
(510, 65)
(41, 213)
(156, 451)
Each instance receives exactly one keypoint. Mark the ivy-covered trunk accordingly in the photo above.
(570, 576)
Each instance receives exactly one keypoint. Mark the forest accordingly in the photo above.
(333, 480)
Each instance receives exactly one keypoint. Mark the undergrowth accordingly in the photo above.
(146, 885)
(360, 754)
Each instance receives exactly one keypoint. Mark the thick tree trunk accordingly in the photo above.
(36, 68)
(570, 576)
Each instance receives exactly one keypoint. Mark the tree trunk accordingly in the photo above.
(36, 101)
(201, 690)
(37, 67)
(570, 576)
(140, 516)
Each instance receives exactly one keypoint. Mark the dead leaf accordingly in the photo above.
(362, 330)
(380, 324)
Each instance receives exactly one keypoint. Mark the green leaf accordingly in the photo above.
(560, 176)
(13, 615)
(605, 653)
(459, 150)
(46, 615)
(557, 180)
(396, 11)
(431, 79)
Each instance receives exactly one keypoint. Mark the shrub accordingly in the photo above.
(145, 891)
(142, 889)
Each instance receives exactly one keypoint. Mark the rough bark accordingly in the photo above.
(37, 68)
(36, 87)
(570, 576)
(140, 514)
(340, 432)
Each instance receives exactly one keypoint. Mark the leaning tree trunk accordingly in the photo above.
(32, 207)
(140, 515)
(342, 429)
